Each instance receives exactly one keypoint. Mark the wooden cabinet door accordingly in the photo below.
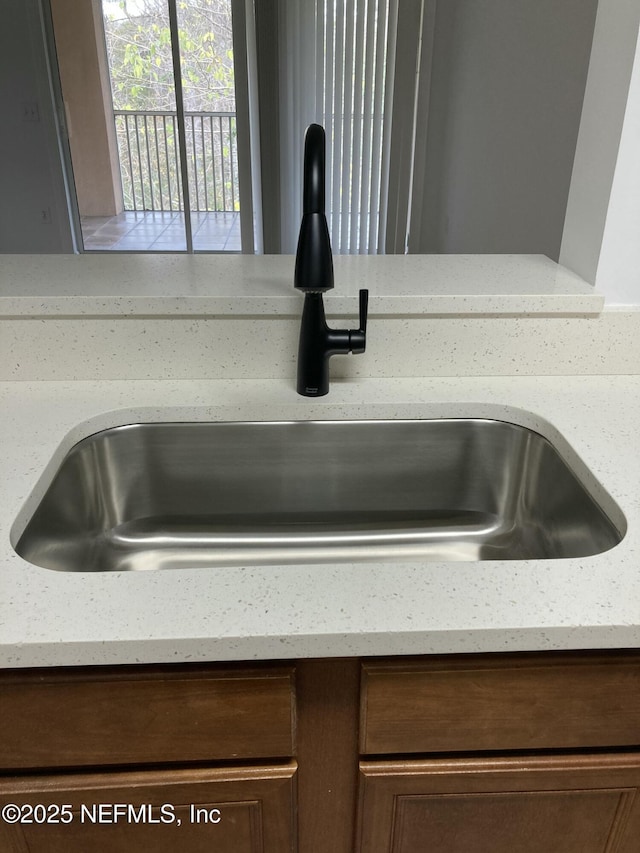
(584, 804)
(229, 810)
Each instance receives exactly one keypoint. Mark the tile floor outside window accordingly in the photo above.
(161, 231)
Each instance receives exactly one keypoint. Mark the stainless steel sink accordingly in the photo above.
(174, 495)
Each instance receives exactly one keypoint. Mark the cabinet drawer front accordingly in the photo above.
(500, 703)
(149, 716)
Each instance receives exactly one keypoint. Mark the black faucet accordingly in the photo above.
(314, 276)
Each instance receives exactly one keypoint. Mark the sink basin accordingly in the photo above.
(186, 495)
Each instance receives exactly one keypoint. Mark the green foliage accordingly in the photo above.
(139, 48)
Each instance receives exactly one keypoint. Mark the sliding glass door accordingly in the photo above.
(149, 97)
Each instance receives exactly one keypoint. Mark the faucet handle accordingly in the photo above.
(358, 338)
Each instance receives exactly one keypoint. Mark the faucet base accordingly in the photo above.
(311, 392)
(317, 343)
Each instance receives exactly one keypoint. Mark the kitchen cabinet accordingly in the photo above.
(536, 804)
(148, 758)
(454, 754)
(496, 753)
(229, 810)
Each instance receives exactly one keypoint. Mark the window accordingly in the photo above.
(186, 119)
(149, 94)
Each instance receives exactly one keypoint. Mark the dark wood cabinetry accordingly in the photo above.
(538, 753)
(501, 753)
(141, 715)
(229, 810)
(500, 702)
(182, 758)
(501, 805)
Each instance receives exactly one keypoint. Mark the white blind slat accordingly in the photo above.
(328, 86)
(358, 106)
(367, 121)
(347, 127)
(338, 115)
(375, 231)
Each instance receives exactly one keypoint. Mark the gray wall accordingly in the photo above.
(508, 81)
(601, 229)
(31, 176)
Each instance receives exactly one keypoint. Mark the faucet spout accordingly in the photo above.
(314, 161)
(314, 261)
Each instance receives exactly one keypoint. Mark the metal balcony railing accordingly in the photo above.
(150, 160)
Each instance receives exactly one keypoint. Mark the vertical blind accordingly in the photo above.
(335, 61)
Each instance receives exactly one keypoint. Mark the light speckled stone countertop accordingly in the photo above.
(50, 618)
(117, 284)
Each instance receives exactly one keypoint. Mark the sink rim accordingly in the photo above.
(583, 474)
